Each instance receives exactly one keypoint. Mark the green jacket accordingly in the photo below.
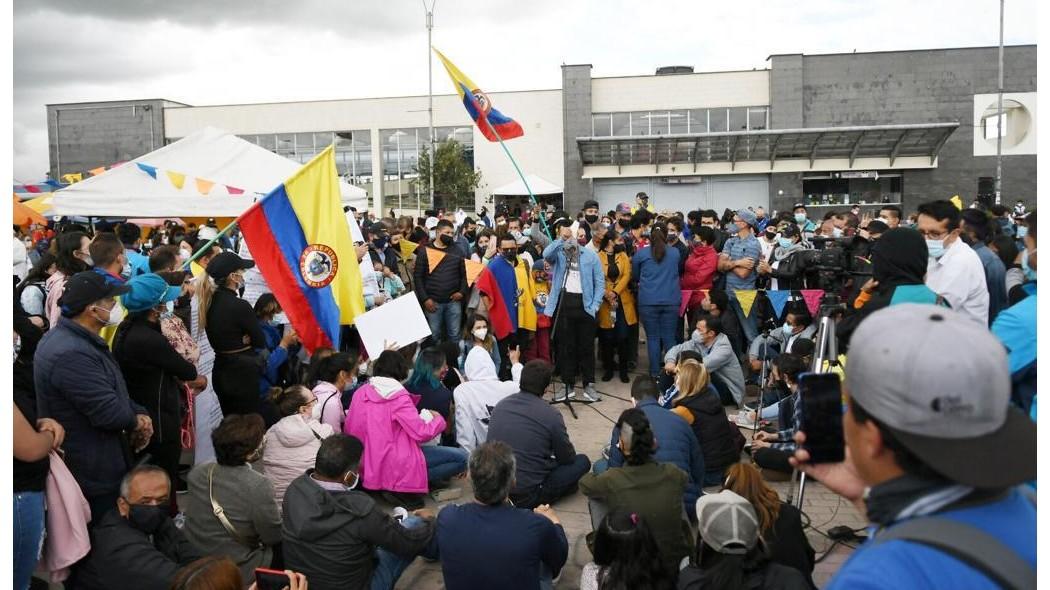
(654, 492)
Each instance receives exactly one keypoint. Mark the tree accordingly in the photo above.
(454, 178)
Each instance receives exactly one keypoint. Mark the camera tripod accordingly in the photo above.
(825, 351)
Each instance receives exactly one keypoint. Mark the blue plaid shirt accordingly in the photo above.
(738, 248)
(786, 436)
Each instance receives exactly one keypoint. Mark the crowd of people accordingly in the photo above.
(133, 349)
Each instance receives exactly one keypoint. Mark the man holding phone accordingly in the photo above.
(935, 455)
(739, 260)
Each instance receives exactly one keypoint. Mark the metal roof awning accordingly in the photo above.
(875, 141)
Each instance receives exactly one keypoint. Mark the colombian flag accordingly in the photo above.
(298, 236)
(478, 105)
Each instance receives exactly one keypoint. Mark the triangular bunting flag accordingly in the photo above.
(813, 297)
(234, 190)
(31, 188)
(957, 202)
(473, 269)
(177, 178)
(97, 171)
(204, 186)
(747, 300)
(686, 296)
(152, 171)
(407, 248)
(71, 178)
(51, 182)
(779, 300)
(434, 258)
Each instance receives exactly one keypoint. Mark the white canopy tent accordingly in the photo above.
(211, 155)
(539, 186)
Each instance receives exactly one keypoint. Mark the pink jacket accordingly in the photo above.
(329, 412)
(68, 515)
(291, 449)
(55, 287)
(384, 417)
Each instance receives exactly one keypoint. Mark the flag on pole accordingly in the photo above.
(299, 238)
(478, 105)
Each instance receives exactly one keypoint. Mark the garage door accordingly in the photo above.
(713, 192)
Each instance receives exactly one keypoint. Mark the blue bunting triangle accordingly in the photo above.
(779, 299)
(151, 170)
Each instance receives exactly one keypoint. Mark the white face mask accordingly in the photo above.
(836, 232)
(185, 253)
(481, 333)
(116, 315)
(280, 318)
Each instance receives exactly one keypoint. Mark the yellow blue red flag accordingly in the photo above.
(298, 236)
(479, 106)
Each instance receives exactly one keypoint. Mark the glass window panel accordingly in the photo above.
(738, 119)
(322, 140)
(621, 124)
(601, 124)
(756, 118)
(640, 123)
(658, 123)
(267, 141)
(304, 142)
(286, 143)
(344, 141)
(717, 119)
(679, 122)
(698, 121)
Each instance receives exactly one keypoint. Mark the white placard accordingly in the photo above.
(401, 321)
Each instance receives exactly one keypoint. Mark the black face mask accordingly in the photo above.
(510, 255)
(379, 243)
(591, 218)
(147, 519)
(617, 248)
(471, 235)
(445, 239)
(623, 223)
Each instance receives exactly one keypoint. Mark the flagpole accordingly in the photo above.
(506, 150)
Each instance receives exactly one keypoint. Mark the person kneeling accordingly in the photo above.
(338, 536)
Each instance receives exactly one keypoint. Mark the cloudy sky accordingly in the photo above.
(232, 51)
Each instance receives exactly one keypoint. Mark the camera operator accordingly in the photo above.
(933, 455)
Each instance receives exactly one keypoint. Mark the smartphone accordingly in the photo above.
(821, 397)
(267, 579)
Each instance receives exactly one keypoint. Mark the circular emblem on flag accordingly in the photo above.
(318, 265)
(482, 100)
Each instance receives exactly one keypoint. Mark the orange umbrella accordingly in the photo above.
(25, 216)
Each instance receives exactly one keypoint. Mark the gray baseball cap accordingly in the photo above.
(941, 383)
(747, 217)
(727, 522)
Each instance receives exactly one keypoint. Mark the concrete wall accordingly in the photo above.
(83, 136)
(680, 91)
(576, 122)
(910, 87)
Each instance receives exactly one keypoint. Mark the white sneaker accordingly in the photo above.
(590, 395)
(744, 421)
(566, 394)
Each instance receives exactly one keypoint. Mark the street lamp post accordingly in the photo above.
(430, 93)
(999, 118)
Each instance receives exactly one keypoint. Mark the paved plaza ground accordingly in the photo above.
(590, 433)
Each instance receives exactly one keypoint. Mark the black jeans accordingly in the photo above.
(575, 340)
(773, 459)
(561, 482)
(236, 381)
(166, 455)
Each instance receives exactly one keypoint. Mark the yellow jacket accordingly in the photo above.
(526, 293)
(605, 317)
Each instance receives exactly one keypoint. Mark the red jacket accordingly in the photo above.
(700, 269)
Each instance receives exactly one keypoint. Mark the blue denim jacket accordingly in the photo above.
(592, 279)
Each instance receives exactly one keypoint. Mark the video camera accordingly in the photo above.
(832, 262)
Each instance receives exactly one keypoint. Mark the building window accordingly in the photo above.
(757, 118)
(698, 121)
(640, 123)
(717, 120)
(621, 124)
(601, 125)
(738, 119)
(679, 121)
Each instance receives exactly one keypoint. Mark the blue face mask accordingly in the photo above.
(1022, 231)
(800, 218)
(1029, 272)
(733, 229)
(785, 242)
(935, 248)
(788, 329)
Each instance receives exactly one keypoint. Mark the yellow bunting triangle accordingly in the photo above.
(71, 178)
(177, 179)
(97, 171)
(747, 300)
(434, 258)
(957, 202)
(407, 248)
(204, 186)
(473, 270)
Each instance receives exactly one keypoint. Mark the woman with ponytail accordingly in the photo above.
(649, 489)
(625, 556)
(655, 271)
(291, 444)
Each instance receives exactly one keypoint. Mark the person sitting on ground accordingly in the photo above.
(336, 375)
(478, 332)
(779, 523)
(384, 417)
(643, 486)
(490, 543)
(625, 556)
(677, 444)
(250, 524)
(730, 555)
(798, 324)
(291, 444)
(137, 545)
(696, 402)
(480, 393)
(548, 467)
(771, 450)
(338, 536)
(938, 446)
(719, 360)
(425, 383)
(220, 573)
(716, 304)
